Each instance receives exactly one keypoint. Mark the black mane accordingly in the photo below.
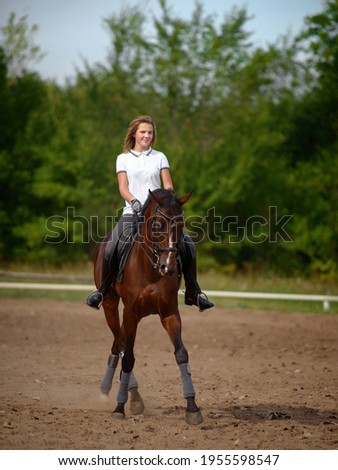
(167, 197)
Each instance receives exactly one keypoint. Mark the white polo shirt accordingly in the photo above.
(143, 171)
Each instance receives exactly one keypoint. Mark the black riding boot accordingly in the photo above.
(109, 260)
(95, 299)
(110, 268)
(193, 293)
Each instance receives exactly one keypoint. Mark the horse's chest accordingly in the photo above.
(158, 297)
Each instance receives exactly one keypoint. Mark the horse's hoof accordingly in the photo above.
(118, 416)
(193, 417)
(136, 407)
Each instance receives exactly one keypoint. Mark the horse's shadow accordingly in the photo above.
(268, 412)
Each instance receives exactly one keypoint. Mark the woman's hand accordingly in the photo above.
(136, 206)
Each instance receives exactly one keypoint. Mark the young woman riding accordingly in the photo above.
(139, 168)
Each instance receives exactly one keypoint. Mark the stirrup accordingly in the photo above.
(208, 304)
(199, 299)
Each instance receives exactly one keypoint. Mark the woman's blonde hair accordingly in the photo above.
(129, 140)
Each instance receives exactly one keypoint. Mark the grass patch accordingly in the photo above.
(76, 296)
(207, 281)
(267, 282)
(275, 305)
(270, 283)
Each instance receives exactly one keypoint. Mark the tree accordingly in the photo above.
(248, 129)
(18, 45)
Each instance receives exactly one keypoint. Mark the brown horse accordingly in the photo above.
(150, 285)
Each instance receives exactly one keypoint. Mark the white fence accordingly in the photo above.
(325, 299)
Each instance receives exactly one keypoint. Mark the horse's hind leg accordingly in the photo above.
(110, 307)
(172, 324)
(107, 379)
(128, 383)
(136, 404)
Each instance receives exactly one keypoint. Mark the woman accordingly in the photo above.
(139, 169)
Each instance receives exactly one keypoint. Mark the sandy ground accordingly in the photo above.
(263, 380)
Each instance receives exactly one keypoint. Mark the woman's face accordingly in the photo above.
(143, 137)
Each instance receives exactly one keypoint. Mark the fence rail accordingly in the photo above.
(30, 275)
(325, 299)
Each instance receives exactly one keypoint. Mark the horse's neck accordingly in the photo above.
(145, 229)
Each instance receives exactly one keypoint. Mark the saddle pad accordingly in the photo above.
(124, 246)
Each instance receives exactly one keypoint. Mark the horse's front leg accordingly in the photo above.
(172, 324)
(129, 332)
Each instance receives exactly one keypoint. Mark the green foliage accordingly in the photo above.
(252, 131)
(18, 45)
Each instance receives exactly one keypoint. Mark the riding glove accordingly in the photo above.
(136, 206)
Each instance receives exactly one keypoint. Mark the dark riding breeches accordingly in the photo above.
(120, 234)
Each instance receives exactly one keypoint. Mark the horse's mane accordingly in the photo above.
(167, 197)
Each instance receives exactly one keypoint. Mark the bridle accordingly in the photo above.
(155, 249)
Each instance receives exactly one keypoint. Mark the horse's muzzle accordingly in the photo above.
(166, 270)
(167, 262)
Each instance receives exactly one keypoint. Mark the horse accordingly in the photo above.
(150, 284)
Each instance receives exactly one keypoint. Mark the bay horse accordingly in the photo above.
(150, 284)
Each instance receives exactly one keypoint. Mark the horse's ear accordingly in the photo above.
(185, 198)
(154, 197)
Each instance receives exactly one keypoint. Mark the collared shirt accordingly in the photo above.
(143, 171)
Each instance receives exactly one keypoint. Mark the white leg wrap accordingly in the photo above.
(188, 388)
(132, 382)
(107, 380)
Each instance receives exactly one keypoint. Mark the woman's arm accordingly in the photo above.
(166, 179)
(122, 180)
(123, 183)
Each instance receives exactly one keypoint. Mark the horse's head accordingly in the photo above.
(163, 216)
